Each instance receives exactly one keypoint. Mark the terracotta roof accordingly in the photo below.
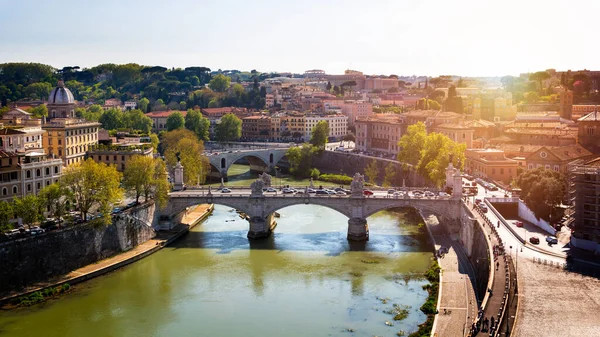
(570, 152)
(223, 110)
(479, 123)
(158, 114)
(520, 148)
(593, 162)
(502, 139)
(455, 126)
(4, 154)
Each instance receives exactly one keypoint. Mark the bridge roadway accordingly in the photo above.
(263, 160)
(260, 206)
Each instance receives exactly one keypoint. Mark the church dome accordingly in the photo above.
(61, 95)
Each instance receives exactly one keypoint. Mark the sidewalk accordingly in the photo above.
(457, 301)
(107, 265)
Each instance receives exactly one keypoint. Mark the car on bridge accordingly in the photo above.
(270, 190)
(429, 194)
(310, 190)
(535, 240)
(552, 240)
(367, 192)
(288, 190)
(391, 191)
(519, 223)
(482, 207)
(225, 190)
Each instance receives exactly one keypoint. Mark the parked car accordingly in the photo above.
(340, 193)
(551, 240)
(519, 223)
(310, 190)
(114, 211)
(271, 190)
(322, 192)
(225, 190)
(367, 192)
(483, 207)
(391, 191)
(535, 240)
(288, 190)
(444, 194)
(429, 194)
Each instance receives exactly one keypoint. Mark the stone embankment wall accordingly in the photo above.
(35, 259)
(473, 240)
(347, 163)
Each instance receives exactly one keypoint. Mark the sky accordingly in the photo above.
(402, 37)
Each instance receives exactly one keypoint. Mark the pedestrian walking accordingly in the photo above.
(497, 265)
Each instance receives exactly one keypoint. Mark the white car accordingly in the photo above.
(271, 190)
(225, 190)
(288, 190)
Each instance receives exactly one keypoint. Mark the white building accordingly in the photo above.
(338, 125)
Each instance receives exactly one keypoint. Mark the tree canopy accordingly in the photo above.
(197, 123)
(220, 83)
(229, 129)
(147, 177)
(175, 121)
(542, 190)
(190, 149)
(301, 160)
(319, 134)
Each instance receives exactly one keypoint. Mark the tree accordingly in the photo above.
(143, 104)
(301, 160)
(28, 208)
(40, 90)
(190, 149)
(135, 119)
(229, 129)
(197, 123)
(93, 185)
(56, 198)
(93, 113)
(146, 176)
(39, 111)
(412, 143)
(6, 214)
(111, 119)
(390, 175)
(328, 87)
(435, 157)
(175, 121)
(461, 83)
(154, 141)
(428, 104)
(372, 172)
(454, 103)
(542, 190)
(319, 134)
(220, 83)
(539, 77)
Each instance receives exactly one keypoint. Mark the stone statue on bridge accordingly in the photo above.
(266, 179)
(257, 187)
(357, 185)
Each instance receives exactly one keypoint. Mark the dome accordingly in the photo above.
(61, 95)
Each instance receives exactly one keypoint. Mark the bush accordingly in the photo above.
(314, 173)
(336, 178)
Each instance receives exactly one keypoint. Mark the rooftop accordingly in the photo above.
(592, 116)
(158, 114)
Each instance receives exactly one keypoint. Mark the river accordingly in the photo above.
(305, 280)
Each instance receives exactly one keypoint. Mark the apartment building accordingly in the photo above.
(490, 164)
(338, 125)
(588, 131)
(557, 158)
(159, 119)
(584, 195)
(458, 132)
(380, 132)
(256, 127)
(118, 154)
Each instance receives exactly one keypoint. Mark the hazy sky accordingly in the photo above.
(404, 37)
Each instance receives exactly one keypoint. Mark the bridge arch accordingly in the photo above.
(266, 159)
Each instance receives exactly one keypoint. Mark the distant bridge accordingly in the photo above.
(260, 160)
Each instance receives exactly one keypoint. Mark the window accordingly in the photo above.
(530, 166)
(547, 167)
(14, 189)
(38, 173)
(543, 154)
(59, 141)
(28, 187)
(556, 168)
(47, 171)
(55, 169)
(123, 158)
(47, 182)
(4, 191)
(28, 174)
(501, 171)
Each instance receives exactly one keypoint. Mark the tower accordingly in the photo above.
(61, 103)
(566, 103)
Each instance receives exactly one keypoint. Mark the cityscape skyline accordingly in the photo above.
(461, 38)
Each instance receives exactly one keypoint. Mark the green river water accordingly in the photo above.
(305, 280)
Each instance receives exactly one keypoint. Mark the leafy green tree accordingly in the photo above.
(319, 134)
(435, 157)
(213, 103)
(111, 119)
(539, 77)
(93, 112)
(154, 141)
(143, 105)
(372, 171)
(197, 123)
(542, 190)
(175, 121)
(190, 149)
(428, 104)
(301, 160)
(39, 111)
(138, 176)
(220, 83)
(454, 102)
(229, 129)
(56, 198)
(328, 87)
(411, 144)
(40, 90)
(93, 185)
(390, 175)
(28, 208)
(6, 214)
(135, 119)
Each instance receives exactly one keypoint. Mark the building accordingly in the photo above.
(159, 119)
(256, 127)
(457, 132)
(379, 83)
(20, 117)
(490, 164)
(269, 100)
(67, 137)
(118, 154)
(338, 125)
(380, 133)
(584, 195)
(580, 110)
(349, 75)
(588, 131)
(556, 158)
(356, 109)
(130, 105)
(566, 103)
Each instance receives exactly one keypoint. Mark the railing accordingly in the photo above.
(302, 195)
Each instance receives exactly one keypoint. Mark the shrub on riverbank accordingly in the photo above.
(430, 306)
(341, 179)
(41, 296)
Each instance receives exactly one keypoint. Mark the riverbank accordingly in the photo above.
(162, 239)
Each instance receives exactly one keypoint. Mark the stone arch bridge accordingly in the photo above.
(261, 160)
(357, 207)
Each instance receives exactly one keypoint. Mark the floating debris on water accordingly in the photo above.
(388, 323)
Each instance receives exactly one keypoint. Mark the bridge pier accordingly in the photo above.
(358, 229)
(260, 227)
